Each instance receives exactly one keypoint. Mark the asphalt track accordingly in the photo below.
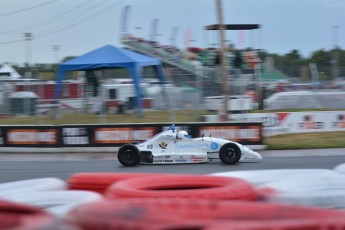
(21, 166)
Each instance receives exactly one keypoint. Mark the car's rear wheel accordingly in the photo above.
(229, 153)
(128, 155)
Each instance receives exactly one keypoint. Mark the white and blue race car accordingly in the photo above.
(172, 147)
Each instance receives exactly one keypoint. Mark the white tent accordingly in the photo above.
(8, 72)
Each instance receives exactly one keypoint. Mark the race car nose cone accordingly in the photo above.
(255, 155)
(259, 157)
(250, 156)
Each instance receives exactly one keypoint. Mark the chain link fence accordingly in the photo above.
(200, 89)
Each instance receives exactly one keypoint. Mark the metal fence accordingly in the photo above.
(184, 90)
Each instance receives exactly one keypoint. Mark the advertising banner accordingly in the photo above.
(1, 137)
(249, 133)
(119, 135)
(32, 136)
(243, 133)
(295, 122)
(75, 135)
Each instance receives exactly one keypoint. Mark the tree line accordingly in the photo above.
(330, 63)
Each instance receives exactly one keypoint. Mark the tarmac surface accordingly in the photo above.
(22, 166)
(64, 156)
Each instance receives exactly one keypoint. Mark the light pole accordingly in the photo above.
(335, 52)
(28, 74)
(28, 38)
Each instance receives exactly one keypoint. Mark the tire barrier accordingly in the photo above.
(99, 182)
(57, 203)
(24, 217)
(183, 186)
(326, 191)
(202, 214)
(262, 177)
(340, 168)
(23, 186)
(257, 199)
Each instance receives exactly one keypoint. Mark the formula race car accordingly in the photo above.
(172, 147)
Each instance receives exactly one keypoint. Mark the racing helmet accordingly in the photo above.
(183, 135)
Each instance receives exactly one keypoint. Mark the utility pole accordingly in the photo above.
(225, 89)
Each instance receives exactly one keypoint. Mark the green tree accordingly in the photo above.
(68, 58)
(322, 59)
(289, 63)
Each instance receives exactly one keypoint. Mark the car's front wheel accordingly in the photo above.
(230, 153)
(128, 155)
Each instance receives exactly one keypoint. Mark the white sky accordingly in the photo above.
(79, 26)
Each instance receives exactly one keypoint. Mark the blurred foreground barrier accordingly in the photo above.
(100, 181)
(256, 199)
(158, 213)
(264, 176)
(183, 186)
(340, 168)
(327, 191)
(31, 185)
(15, 216)
(57, 203)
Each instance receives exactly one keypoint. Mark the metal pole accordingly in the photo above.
(335, 53)
(28, 38)
(225, 90)
(27, 103)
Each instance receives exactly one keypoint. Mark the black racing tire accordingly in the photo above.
(230, 153)
(128, 155)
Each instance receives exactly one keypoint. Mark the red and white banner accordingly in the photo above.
(154, 29)
(173, 35)
(24, 136)
(188, 37)
(241, 36)
(124, 21)
(295, 122)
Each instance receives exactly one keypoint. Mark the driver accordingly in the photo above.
(183, 135)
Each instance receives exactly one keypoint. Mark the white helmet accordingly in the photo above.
(182, 135)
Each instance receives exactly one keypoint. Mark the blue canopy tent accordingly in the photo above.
(111, 57)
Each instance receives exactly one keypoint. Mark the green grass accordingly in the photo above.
(293, 110)
(79, 118)
(317, 140)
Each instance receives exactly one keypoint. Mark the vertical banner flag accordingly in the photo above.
(173, 36)
(154, 29)
(188, 37)
(124, 22)
(241, 39)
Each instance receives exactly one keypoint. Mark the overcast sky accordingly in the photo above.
(79, 26)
